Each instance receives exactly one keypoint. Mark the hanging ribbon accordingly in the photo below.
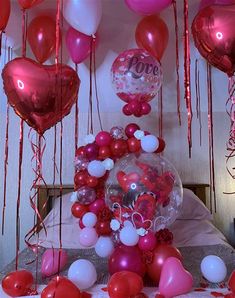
(198, 99)
(187, 77)
(211, 138)
(76, 120)
(160, 114)
(90, 109)
(230, 107)
(177, 60)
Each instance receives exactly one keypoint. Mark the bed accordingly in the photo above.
(194, 234)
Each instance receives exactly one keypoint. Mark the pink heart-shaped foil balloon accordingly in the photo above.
(50, 261)
(40, 94)
(174, 280)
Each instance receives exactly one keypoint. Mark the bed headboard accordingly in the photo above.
(50, 192)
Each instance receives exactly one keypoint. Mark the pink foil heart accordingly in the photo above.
(40, 94)
(174, 280)
(50, 261)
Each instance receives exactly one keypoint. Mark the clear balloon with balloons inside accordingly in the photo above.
(145, 189)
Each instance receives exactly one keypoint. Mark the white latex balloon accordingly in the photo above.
(129, 236)
(83, 274)
(213, 269)
(83, 15)
(89, 219)
(96, 168)
(104, 247)
(149, 143)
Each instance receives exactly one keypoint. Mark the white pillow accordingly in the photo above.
(193, 207)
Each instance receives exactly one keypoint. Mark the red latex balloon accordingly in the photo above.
(91, 181)
(231, 282)
(124, 284)
(38, 94)
(152, 35)
(5, 9)
(17, 283)
(104, 152)
(133, 144)
(118, 147)
(26, 4)
(130, 129)
(80, 179)
(160, 254)
(81, 151)
(41, 36)
(78, 210)
(61, 287)
(103, 228)
(214, 36)
(126, 258)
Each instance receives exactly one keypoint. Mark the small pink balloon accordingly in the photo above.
(88, 237)
(103, 138)
(147, 7)
(147, 242)
(97, 205)
(78, 44)
(50, 261)
(174, 280)
(205, 3)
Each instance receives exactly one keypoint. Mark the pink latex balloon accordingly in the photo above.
(88, 237)
(205, 3)
(97, 205)
(126, 258)
(50, 261)
(147, 7)
(147, 242)
(175, 280)
(78, 44)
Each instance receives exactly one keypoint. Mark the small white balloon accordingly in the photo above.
(213, 269)
(73, 197)
(115, 225)
(104, 247)
(139, 134)
(89, 219)
(96, 168)
(83, 274)
(149, 143)
(129, 236)
(108, 164)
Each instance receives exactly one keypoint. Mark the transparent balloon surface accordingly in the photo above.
(145, 189)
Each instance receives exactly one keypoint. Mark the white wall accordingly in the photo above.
(117, 34)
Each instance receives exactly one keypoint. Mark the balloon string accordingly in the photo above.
(95, 81)
(230, 107)
(90, 110)
(76, 119)
(9, 57)
(21, 139)
(1, 34)
(177, 60)
(160, 113)
(24, 31)
(187, 79)
(198, 98)
(55, 168)
(5, 169)
(211, 138)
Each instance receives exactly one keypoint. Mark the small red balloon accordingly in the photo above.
(161, 145)
(145, 108)
(61, 287)
(118, 148)
(134, 107)
(97, 205)
(103, 228)
(17, 283)
(133, 144)
(160, 254)
(81, 225)
(104, 152)
(103, 138)
(130, 129)
(4, 13)
(126, 110)
(91, 181)
(81, 151)
(80, 179)
(78, 210)
(92, 151)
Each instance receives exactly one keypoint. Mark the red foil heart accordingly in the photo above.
(40, 94)
(214, 36)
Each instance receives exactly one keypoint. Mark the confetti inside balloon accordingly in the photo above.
(136, 77)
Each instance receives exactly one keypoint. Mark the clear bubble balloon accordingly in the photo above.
(86, 195)
(145, 189)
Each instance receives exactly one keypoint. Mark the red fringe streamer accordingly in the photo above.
(18, 192)
(160, 114)
(211, 138)
(187, 79)
(177, 60)
(95, 81)
(76, 120)
(230, 106)
(198, 99)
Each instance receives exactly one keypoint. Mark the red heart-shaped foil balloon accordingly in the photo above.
(231, 282)
(214, 36)
(40, 94)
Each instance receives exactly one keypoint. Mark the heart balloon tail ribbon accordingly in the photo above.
(230, 107)
(177, 60)
(76, 121)
(198, 98)
(211, 138)
(187, 76)
(95, 80)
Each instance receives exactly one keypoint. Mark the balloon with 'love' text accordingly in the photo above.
(136, 76)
